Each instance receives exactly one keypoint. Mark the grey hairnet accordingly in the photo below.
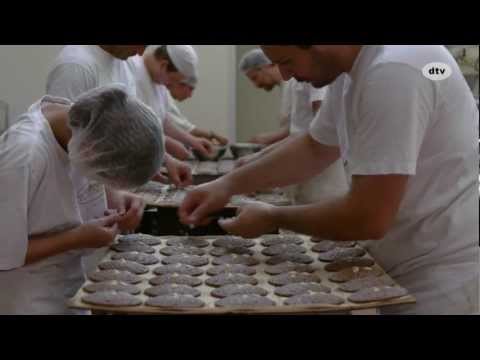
(116, 139)
(254, 59)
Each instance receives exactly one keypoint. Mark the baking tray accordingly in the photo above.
(167, 196)
(261, 276)
(164, 200)
(207, 171)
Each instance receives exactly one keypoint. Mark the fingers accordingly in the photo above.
(113, 231)
(161, 178)
(229, 225)
(200, 214)
(109, 221)
(187, 207)
(185, 176)
(208, 146)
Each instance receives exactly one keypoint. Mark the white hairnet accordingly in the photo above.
(184, 58)
(116, 139)
(254, 59)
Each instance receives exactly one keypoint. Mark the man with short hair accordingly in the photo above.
(409, 145)
(300, 104)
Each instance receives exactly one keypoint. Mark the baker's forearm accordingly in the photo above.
(175, 132)
(42, 247)
(335, 220)
(294, 162)
(279, 135)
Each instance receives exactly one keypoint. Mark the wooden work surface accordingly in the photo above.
(166, 196)
(261, 276)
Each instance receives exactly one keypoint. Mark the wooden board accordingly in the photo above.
(166, 196)
(261, 276)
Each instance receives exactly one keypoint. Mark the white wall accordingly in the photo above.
(257, 110)
(23, 73)
(213, 103)
(24, 69)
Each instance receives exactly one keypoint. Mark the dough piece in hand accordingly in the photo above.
(382, 293)
(176, 279)
(178, 250)
(116, 286)
(232, 269)
(235, 289)
(296, 258)
(327, 245)
(124, 265)
(349, 262)
(289, 240)
(115, 275)
(245, 301)
(175, 301)
(301, 288)
(180, 269)
(292, 278)
(365, 283)
(133, 246)
(341, 253)
(315, 299)
(192, 260)
(236, 259)
(200, 243)
(170, 289)
(355, 273)
(228, 279)
(233, 242)
(289, 267)
(112, 298)
(141, 258)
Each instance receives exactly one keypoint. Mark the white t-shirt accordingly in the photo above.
(387, 118)
(152, 94)
(78, 69)
(302, 97)
(176, 115)
(38, 199)
(298, 99)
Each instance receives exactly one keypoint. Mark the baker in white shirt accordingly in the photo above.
(159, 67)
(409, 144)
(300, 103)
(43, 233)
(181, 91)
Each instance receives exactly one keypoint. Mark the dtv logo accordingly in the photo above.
(437, 71)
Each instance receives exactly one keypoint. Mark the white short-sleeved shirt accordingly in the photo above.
(76, 70)
(387, 118)
(152, 94)
(38, 199)
(176, 115)
(302, 97)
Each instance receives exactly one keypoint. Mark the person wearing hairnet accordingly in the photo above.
(265, 75)
(181, 91)
(409, 145)
(111, 138)
(76, 70)
(301, 102)
(160, 66)
(80, 68)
